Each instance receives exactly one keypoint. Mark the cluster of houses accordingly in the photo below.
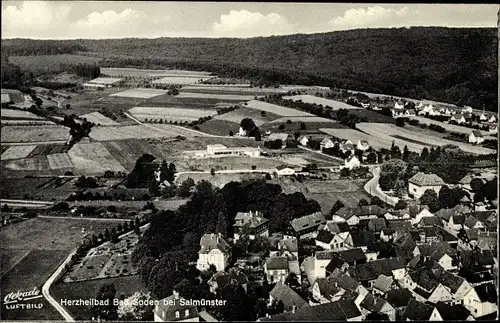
(409, 264)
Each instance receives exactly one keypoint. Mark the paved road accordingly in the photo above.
(373, 188)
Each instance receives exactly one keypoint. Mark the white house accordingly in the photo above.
(242, 132)
(481, 300)
(399, 105)
(492, 119)
(332, 241)
(325, 290)
(410, 112)
(303, 140)
(352, 162)
(476, 137)
(483, 117)
(284, 170)
(420, 182)
(493, 129)
(251, 223)
(346, 145)
(326, 143)
(422, 214)
(466, 109)
(429, 109)
(175, 309)
(214, 251)
(458, 118)
(276, 269)
(363, 145)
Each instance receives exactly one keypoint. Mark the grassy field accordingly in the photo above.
(372, 116)
(219, 127)
(125, 286)
(239, 90)
(99, 119)
(16, 152)
(237, 115)
(46, 64)
(335, 105)
(170, 114)
(134, 132)
(93, 158)
(218, 180)
(180, 80)
(59, 161)
(37, 187)
(276, 109)
(44, 150)
(220, 97)
(34, 133)
(140, 93)
(17, 114)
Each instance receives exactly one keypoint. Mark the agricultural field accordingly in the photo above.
(447, 126)
(306, 120)
(126, 206)
(140, 93)
(243, 112)
(218, 180)
(17, 114)
(335, 105)
(34, 133)
(47, 64)
(179, 80)
(17, 152)
(10, 257)
(28, 164)
(311, 126)
(304, 87)
(59, 161)
(133, 132)
(226, 163)
(99, 119)
(144, 73)
(386, 131)
(276, 109)
(93, 158)
(354, 136)
(170, 114)
(20, 122)
(125, 286)
(233, 89)
(303, 158)
(44, 150)
(219, 127)
(229, 81)
(220, 97)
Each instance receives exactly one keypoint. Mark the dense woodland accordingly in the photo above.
(456, 65)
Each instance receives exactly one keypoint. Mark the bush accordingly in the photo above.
(400, 122)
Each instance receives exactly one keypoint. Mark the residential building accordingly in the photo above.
(375, 304)
(352, 162)
(366, 274)
(383, 284)
(354, 215)
(306, 226)
(360, 239)
(410, 112)
(446, 312)
(326, 143)
(476, 137)
(284, 170)
(278, 136)
(399, 105)
(346, 146)
(291, 300)
(417, 311)
(219, 150)
(303, 140)
(363, 145)
(493, 129)
(481, 300)
(276, 269)
(458, 118)
(332, 241)
(342, 310)
(104, 82)
(253, 224)
(326, 290)
(399, 298)
(424, 212)
(175, 309)
(288, 248)
(420, 182)
(214, 251)
(232, 276)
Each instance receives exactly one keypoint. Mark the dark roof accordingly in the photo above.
(361, 211)
(325, 255)
(273, 263)
(430, 221)
(281, 292)
(482, 215)
(362, 238)
(345, 281)
(334, 311)
(335, 263)
(424, 279)
(458, 219)
(452, 312)
(167, 308)
(352, 255)
(422, 292)
(415, 209)
(388, 231)
(327, 286)
(416, 311)
(399, 297)
(349, 308)
(448, 279)
(308, 221)
(210, 241)
(372, 269)
(422, 179)
(486, 292)
(377, 224)
(233, 275)
(399, 224)
(324, 236)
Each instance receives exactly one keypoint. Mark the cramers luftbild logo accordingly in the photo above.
(15, 300)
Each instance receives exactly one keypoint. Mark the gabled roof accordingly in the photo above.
(399, 224)
(324, 236)
(458, 218)
(281, 167)
(252, 219)
(211, 241)
(416, 311)
(477, 133)
(307, 221)
(373, 303)
(289, 244)
(345, 281)
(452, 312)
(471, 221)
(430, 221)
(167, 308)
(377, 224)
(422, 179)
(399, 297)
(325, 254)
(338, 227)
(372, 269)
(335, 263)
(362, 238)
(327, 286)
(424, 278)
(383, 282)
(281, 292)
(352, 255)
(447, 279)
(275, 263)
(331, 311)
(486, 292)
(348, 159)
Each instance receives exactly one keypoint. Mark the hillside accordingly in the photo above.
(454, 65)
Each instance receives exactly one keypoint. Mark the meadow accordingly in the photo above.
(99, 119)
(93, 158)
(132, 132)
(170, 114)
(184, 79)
(144, 73)
(244, 112)
(218, 180)
(447, 126)
(335, 105)
(140, 93)
(16, 152)
(276, 109)
(34, 133)
(223, 97)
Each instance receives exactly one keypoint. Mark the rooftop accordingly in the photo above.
(307, 221)
(211, 241)
(416, 311)
(281, 292)
(422, 179)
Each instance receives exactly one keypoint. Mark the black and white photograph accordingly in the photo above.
(192, 161)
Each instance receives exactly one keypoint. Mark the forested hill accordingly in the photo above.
(456, 65)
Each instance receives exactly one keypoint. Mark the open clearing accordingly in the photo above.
(170, 114)
(16, 152)
(93, 158)
(335, 105)
(99, 119)
(134, 72)
(237, 115)
(140, 93)
(387, 131)
(34, 133)
(222, 97)
(133, 132)
(276, 109)
(447, 126)
(9, 113)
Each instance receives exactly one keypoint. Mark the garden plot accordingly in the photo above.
(18, 114)
(93, 158)
(276, 109)
(416, 140)
(59, 161)
(132, 132)
(335, 105)
(34, 134)
(99, 119)
(88, 268)
(118, 265)
(180, 80)
(17, 152)
(140, 93)
(170, 114)
(237, 115)
(228, 97)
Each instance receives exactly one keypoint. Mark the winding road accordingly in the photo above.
(373, 188)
